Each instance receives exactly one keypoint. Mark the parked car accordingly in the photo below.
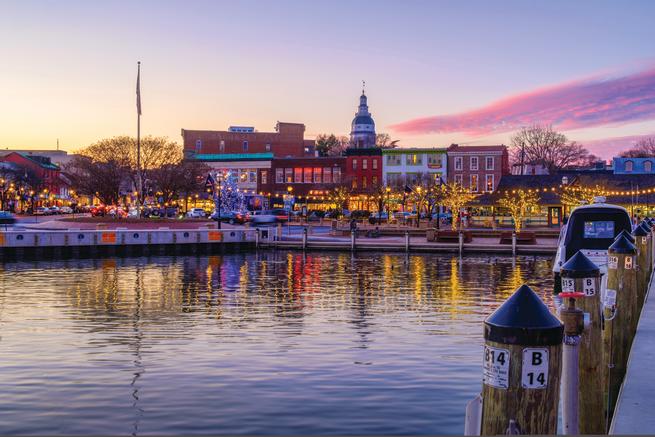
(230, 217)
(196, 213)
(378, 217)
(54, 210)
(7, 218)
(98, 211)
(40, 210)
(281, 215)
(117, 212)
(360, 214)
(66, 210)
(314, 216)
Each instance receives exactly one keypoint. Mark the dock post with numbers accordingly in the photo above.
(580, 275)
(619, 315)
(522, 364)
(642, 241)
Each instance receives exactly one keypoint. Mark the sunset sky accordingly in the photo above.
(436, 72)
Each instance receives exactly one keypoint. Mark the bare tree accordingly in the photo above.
(101, 179)
(542, 145)
(645, 148)
(179, 180)
(384, 141)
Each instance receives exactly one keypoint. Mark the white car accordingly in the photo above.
(196, 213)
(54, 210)
(66, 210)
(260, 217)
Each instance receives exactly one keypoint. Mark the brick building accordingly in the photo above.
(363, 169)
(478, 168)
(288, 140)
(43, 170)
(307, 180)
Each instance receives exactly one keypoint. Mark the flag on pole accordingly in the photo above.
(138, 89)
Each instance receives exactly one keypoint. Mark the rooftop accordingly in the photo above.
(266, 156)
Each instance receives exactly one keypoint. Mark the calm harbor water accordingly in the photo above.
(267, 343)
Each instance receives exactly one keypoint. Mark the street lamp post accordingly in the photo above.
(218, 201)
(289, 190)
(388, 190)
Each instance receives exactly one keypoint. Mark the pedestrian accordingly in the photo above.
(353, 225)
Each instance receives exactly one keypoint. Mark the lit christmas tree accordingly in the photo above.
(230, 196)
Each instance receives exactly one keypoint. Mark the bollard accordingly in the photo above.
(580, 274)
(619, 312)
(522, 358)
(642, 238)
(352, 240)
(461, 243)
(257, 238)
(304, 238)
(406, 241)
(513, 243)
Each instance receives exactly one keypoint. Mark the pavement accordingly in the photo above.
(636, 403)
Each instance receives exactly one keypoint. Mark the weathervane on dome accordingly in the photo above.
(363, 86)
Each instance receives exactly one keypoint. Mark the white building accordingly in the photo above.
(403, 166)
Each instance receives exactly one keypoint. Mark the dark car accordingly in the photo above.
(6, 218)
(360, 214)
(281, 215)
(230, 217)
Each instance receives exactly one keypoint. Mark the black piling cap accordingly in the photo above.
(579, 266)
(525, 320)
(641, 230)
(646, 224)
(627, 235)
(622, 245)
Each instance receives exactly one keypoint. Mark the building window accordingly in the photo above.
(393, 179)
(221, 146)
(474, 162)
(364, 182)
(412, 178)
(245, 146)
(628, 166)
(354, 183)
(268, 147)
(374, 179)
(490, 163)
(458, 179)
(336, 175)
(198, 146)
(354, 164)
(306, 150)
(434, 161)
(414, 159)
(490, 182)
(648, 166)
(327, 175)
(458, 163)
(288, 175)
(393, 160)
(375, 163)
(252, 176)
(436, 177)
(317, 175)
(364, 164)
(297, 175)
(279, 175)
(474, 183)
(308, 175)
(265, 177)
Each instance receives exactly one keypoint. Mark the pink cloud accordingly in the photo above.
(609, 147)
(573, 105)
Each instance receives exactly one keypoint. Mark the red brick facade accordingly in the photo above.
(47, 173)
(363, 169)
(478, 168)
(287, 141)
(302, 175)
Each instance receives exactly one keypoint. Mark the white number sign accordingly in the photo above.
(628, 262)
(644, 240)
(612, 262)
(496, 367)
(568, 285)
(534, 369)
(589, 286)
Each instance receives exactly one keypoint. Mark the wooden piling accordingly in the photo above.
(522, 361)
(580, 274)
(642, 241)
(620, 317)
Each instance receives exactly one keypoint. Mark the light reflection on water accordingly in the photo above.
(267, 343)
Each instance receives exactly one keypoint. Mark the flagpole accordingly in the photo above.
(138, 140)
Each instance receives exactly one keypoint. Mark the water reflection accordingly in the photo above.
(272, 342)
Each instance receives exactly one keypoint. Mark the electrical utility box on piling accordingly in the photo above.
(521, 370)
(580, 275)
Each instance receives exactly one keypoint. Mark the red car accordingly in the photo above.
(98, 211)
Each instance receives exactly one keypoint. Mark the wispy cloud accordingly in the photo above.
(573, 105)
(609, 147)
